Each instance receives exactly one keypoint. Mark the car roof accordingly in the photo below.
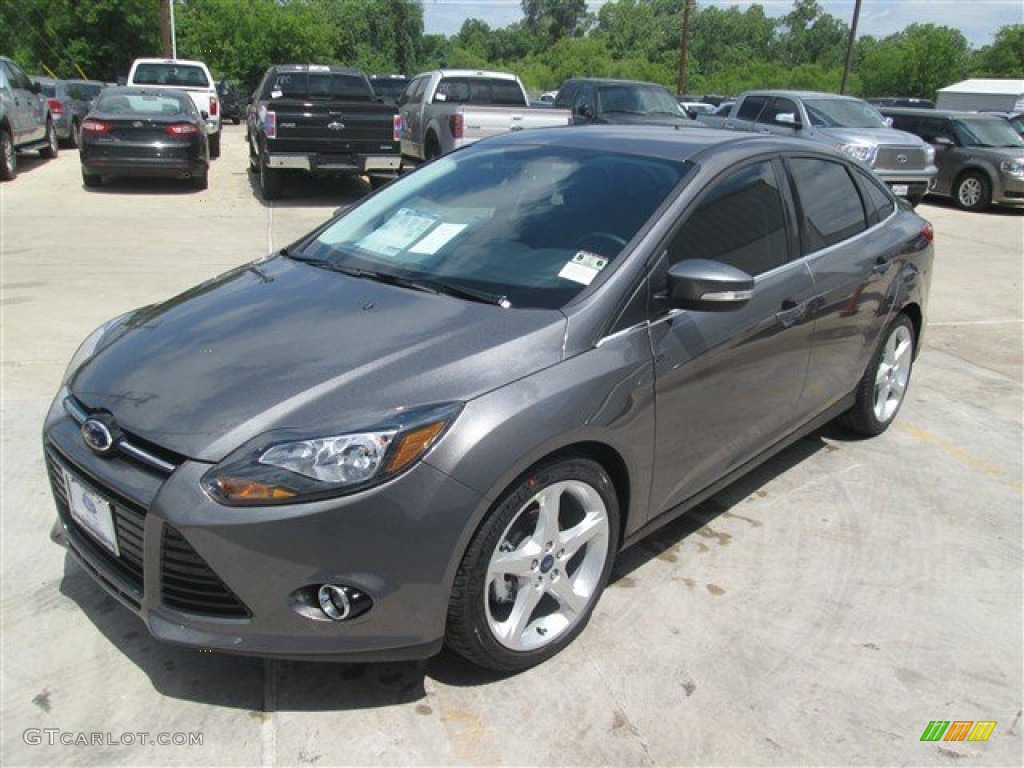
(334, 69)
(917, 112)
(680, 143)
(192, 62)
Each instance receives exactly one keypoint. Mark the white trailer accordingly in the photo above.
(981, 95)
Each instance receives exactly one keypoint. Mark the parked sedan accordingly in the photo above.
(438, 417)
(67, 108)
(155, 132)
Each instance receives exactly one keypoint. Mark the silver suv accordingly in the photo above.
(25, 121)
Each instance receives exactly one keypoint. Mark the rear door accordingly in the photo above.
(728, 383)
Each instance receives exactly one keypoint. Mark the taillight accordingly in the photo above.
(270, 125)
(397, 128)
(55, 106)
(92, 125)
(456, 123)
(213, 106)
(928, 232)
(182, 129)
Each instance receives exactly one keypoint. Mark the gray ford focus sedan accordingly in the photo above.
(437, 418)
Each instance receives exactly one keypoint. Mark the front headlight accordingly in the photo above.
(1012, 168)
(866, 153)
(276, 470)
(88, 347)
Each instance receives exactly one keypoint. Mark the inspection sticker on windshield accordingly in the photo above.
(405, 227)
(583, 268)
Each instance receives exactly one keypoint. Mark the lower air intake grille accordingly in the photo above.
(189, 585)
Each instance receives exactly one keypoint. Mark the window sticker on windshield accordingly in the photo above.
(583, 268)
(437, 239)
(405, 227)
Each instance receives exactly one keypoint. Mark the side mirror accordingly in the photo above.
(584, 111)
(708, 286)
(888, 121)
(788, 118)
(943, 141)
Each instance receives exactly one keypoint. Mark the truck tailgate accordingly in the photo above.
(326, 128)
(481, 122)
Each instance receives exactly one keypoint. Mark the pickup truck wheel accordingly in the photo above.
(254, 159)
(432, 149)
(8, 157)
(91, 180)
(215, 145)
(973, 191)
(50, 150)
(270, 181)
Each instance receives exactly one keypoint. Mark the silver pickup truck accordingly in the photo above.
(904, 162)
(450, 108)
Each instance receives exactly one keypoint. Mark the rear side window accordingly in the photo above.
(751, 107)
(740, 221)
(877, 199)
(185, 75)
(830, 204)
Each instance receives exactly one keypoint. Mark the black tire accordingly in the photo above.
(578, 490)
(270, 181)
(215, 145)
(883, 387)
(91, 180)
(915, 200)
(201, 180)
(8, 156)
(973, 191)
(235, 120)
(432, 148)
(50, 150)
(376, 182)
(72, 140)
(254, 158)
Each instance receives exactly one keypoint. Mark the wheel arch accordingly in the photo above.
(916, 315)
(979, 168)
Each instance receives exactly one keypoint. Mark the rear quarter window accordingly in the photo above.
(831, 207)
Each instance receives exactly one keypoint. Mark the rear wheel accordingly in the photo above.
(72, 140)
(535, 569)
(50, 150)
(973, 191)
(270, 181)
(91, 179)
(201, 180)
(215, 145)
(8, 157)
(884, 385)
(432, 148)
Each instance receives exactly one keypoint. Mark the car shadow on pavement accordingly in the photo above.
(129, 185)
(263, 686)
(303, 190)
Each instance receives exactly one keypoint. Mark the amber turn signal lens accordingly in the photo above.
(412, 446)
(244, 489)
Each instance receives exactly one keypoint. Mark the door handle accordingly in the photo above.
(791, 313)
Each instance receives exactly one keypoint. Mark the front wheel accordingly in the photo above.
(50, 150)
(535, 569)
(8, 157)
(973, 191)
(884, 385)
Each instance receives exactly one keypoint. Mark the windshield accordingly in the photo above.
(638, 100)
(843, 113)
(984, 132)
(185, 75)
(532, 225)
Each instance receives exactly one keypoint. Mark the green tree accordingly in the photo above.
(915, 62)
(551, 20)
(1004, 57)
(750, 34)
(811, 36)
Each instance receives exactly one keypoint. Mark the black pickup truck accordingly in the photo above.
(320, 119)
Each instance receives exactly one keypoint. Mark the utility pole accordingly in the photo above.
(684, 49)
(168, 41)
(849, 47)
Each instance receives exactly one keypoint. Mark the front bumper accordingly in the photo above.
(230, 579)
(1010, 191)
(354, 164)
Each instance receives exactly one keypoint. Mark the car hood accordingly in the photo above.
(871, 135)
(622, 118)
(996, 154)
(285, 345)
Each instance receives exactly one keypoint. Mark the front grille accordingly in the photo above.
(189, 585)
(131, 446)
(129, 524)
(887, 159)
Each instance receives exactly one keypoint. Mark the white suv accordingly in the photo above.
(185, 75)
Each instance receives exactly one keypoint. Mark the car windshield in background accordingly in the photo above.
(318, 85)
(184, 75)
(981, 132)
(135, 102)
(638, 100)
(527, 224)
(843, 113)
(48, 89)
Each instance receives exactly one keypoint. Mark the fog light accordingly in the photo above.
(340, 603)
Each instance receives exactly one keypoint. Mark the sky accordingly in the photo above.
(978, 20)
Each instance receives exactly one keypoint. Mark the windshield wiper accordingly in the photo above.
(471, 294)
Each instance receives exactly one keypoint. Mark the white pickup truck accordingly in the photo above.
(446, 109)
(185, 75)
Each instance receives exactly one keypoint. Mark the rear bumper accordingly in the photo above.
(145, 167)
(355, 164)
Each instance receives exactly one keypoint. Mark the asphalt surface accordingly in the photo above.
(821, 611)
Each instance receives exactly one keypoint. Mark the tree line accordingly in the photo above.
(730, 49)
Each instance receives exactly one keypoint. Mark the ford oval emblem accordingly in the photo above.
(97, 436)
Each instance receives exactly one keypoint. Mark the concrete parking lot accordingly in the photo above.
(821, 611)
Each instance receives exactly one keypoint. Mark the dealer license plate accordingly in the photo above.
(93, 513)
(900, 189)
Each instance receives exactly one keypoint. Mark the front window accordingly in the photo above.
(843, 113)
(633, 99)
(982, 132)
(530, 226)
